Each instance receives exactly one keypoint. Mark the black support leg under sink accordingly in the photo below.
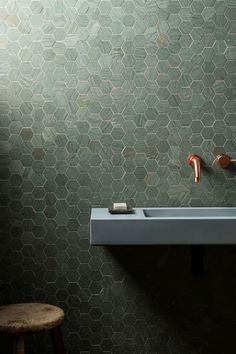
(197, 260)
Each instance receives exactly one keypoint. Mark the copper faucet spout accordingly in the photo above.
(195, 162)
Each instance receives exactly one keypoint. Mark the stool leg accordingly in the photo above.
(57, 341)
(18, 346)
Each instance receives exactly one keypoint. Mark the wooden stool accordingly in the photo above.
(25, 318)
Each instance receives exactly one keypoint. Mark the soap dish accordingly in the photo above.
(121, 211)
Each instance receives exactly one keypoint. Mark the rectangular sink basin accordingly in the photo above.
(156, 226)
(190, 213)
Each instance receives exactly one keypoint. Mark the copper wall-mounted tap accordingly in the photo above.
(195, 162)
(224, 160)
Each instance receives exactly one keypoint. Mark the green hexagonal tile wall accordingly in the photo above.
(102, 101)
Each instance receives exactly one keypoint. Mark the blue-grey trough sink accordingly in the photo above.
(160, 226)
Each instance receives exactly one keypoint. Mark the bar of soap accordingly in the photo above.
(120, 206)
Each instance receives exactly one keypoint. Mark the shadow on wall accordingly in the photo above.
(5, 217)
(5, 226)
(193, 315)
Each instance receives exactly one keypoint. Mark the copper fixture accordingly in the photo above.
(195, 162)
(224, 160)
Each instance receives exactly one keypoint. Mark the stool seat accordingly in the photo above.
(29, 317)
